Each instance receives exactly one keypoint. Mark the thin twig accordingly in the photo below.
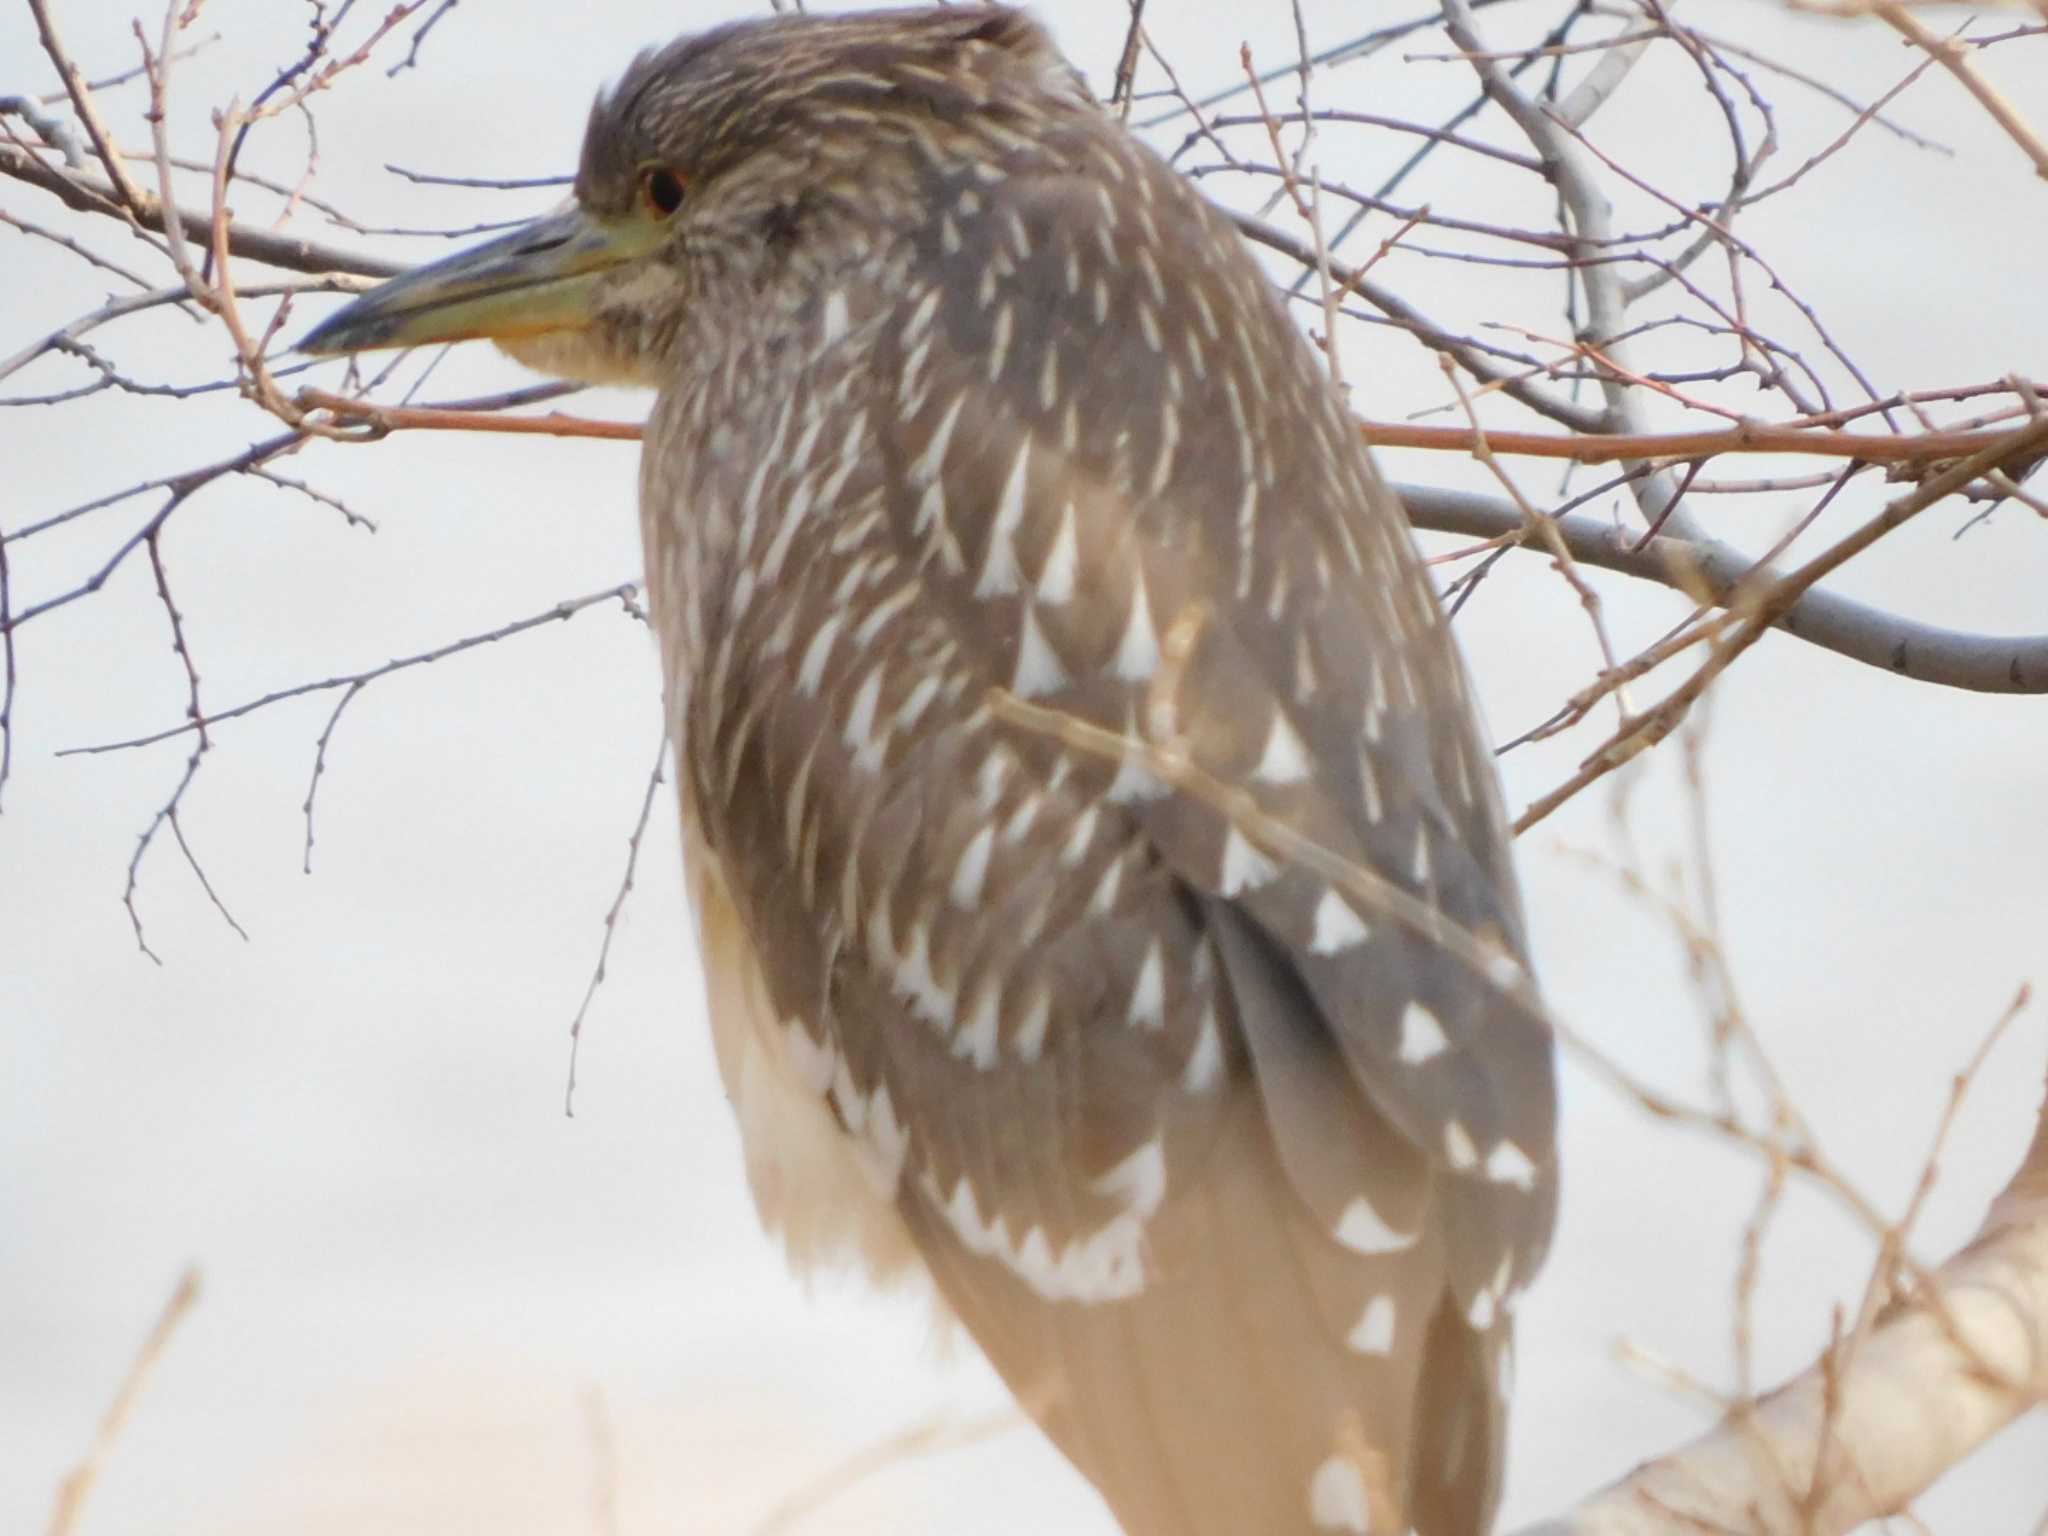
(554, 614)
(611, 923)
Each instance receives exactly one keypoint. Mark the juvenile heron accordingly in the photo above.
(1100, 876)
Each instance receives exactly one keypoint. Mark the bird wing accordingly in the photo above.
(1089, 767)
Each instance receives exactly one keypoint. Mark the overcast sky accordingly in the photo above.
(424, 1285)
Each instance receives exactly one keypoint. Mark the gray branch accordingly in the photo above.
(1572, 172)
(91, 194)
(1705, 568)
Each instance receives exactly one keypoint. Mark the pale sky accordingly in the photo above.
(419, 1275)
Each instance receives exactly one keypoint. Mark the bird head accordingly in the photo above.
(731, 171)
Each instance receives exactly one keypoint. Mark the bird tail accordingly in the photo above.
(1460, 1425)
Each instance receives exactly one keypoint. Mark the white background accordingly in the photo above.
(419, 1275)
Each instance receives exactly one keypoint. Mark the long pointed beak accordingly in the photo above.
(540, 277)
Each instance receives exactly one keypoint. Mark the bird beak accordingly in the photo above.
(541, 277)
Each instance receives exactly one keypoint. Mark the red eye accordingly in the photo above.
(661, 189)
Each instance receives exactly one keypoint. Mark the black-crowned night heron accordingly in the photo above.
(1100, 876)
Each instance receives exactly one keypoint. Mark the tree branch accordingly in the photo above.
(1954, 57)
(1850, 1441)
(1565, 412)
(1744, 437)
(121, 185)
(89, 194)
(1578, 186)
(1703, 568)
(1709, 570)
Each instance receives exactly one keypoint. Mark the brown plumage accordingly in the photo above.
(974, 423)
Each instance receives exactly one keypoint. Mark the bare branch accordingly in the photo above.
(1402, 313)
(1747, 437)
(1954, 56)
(566, 609)
(1570, 169)
(124, 188)
(292, 253)
(611, 922)
(446, 419)
(1711, 571)
(1752, 612)
(78, 1484)
(1844, 1443)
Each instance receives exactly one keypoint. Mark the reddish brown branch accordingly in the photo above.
(1579, 447)
(432, 419)
(1750, 614)
(120, 182)
(1748, 438)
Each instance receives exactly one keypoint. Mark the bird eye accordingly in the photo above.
(661, 189)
